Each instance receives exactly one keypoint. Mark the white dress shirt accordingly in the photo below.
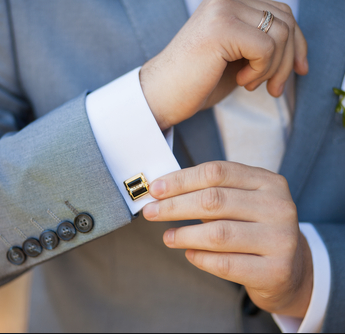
(254, 127)
(128, 136)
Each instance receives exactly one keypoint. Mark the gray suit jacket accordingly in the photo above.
(51, 53)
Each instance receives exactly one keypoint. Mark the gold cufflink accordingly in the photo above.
(137, 186)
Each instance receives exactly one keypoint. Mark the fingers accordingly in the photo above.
(295, 56)
(210, 203)
(226, 84)
(250, 43)
(284, 60)
(290, 52)
(243, 269)
(212, 174)
(301, 64)
(220, 236)
(221, 190)
(244, 40)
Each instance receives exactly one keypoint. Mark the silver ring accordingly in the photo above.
(266, 22)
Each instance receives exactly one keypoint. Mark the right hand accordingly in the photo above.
(218, 48)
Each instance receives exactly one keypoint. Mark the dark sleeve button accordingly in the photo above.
(16, 256)
(49, 240)
(84, 223)
(66, 231)
(32, 247)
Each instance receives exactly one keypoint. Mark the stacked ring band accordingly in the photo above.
(266, 22)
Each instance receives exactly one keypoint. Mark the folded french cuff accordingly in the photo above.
(129, 138)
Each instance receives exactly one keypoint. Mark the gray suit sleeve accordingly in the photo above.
(44, 164)
(333, 235)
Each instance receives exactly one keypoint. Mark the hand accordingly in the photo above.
(218, 48)
(252, 236)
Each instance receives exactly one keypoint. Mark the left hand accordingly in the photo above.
(252, 236)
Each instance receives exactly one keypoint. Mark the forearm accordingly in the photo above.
(53, 160)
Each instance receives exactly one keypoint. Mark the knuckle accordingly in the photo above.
(211, 200)
(232, 20)
(214, 173)
(286, 209)
(284, 7)
(282, 271)
(280, 181)
(269, 48)
(179, 181)
(286, 240)
(223, 266)
(219, 234)
(290, 20)
(290, 210)
(170, 206)
(217, 13)
(283, 32)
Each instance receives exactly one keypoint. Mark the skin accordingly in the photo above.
(251, 234)
(219, 48)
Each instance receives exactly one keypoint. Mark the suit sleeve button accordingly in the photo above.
(84, 223)
(16, 256)
(49, 240)
(32, 247)
(66, 231)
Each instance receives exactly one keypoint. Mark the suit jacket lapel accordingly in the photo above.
(155, 22)
(315, 100)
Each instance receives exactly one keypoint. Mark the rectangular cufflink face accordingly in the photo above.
(137, 186)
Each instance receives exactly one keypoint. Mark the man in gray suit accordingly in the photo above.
(57, 187)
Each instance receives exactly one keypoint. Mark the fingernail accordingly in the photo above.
(169, 237)
(157, 188)
(151, 211)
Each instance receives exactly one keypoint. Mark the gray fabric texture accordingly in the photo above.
(316, 153)
(52, 160)
(53, 51)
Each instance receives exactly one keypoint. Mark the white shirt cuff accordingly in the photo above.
(128, 135)
(169, 137)
(314, 319)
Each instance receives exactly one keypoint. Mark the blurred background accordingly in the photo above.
(14, 305)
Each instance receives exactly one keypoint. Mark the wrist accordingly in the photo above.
(293, 297)
(302, 289)
(153, 96)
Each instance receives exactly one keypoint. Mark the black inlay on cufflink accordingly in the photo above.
(16, 256)
(49, 240)
(66, 231)
(84, 223)
(137, 186)
(32, 247)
